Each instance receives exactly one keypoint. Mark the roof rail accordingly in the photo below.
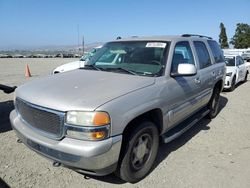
(194, 35)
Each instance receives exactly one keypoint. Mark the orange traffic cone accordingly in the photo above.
(27, 71)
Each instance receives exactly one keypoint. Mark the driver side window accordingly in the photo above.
(237, 61)
(241, 61)
(182, 55)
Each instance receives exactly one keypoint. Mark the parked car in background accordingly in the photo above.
(76, 64)
(109, 115)
(236, 71)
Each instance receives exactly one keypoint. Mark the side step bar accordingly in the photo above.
(178, 130)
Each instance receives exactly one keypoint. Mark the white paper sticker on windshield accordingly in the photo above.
(156, 45)
(118, 51)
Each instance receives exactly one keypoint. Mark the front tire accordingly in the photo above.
(214, 103)
(245, 80)
(139, 152)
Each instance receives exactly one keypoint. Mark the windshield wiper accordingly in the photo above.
(91, 67)
(123, 69)
(160, 72)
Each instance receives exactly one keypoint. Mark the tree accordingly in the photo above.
(223, 37)
(241, 38)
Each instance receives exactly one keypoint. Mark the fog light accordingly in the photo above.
(98, 135)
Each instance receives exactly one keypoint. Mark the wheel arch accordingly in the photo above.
(219, 84)
(154, 115)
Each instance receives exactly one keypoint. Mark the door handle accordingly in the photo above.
(197, 80)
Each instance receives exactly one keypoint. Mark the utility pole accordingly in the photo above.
(78, 44)
(83, 44)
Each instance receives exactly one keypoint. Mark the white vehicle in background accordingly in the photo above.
(76, 64)
(236, 71)
(241, 52)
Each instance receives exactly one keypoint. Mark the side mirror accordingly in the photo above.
(185, 70)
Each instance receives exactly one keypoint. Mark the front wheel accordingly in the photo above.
(139, 152)
(245, 77)
(214, 103)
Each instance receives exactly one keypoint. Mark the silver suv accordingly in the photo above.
(109, 115)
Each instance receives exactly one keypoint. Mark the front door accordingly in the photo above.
(183, 91)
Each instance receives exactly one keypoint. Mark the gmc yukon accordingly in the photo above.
(110, 115)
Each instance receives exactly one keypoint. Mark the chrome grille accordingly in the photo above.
(47, 121)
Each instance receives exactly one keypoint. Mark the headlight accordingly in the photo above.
(229, 74)
(87, 125)
(87, 118)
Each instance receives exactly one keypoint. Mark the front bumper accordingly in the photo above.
(228, 82)
(91, 157)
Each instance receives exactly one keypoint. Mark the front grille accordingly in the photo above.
(47, 121)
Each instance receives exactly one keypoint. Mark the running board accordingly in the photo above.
(178, 130)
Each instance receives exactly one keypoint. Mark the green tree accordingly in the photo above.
(241, 38)
(223, 37)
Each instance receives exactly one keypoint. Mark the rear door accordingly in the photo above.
(218, 69)
(206, 70)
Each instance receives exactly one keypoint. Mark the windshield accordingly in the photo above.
(89, 54)
(142, 58)
(230, 61)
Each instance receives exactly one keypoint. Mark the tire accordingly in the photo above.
(245, 80)
(139, 152)
(214, 103)
(233, 84)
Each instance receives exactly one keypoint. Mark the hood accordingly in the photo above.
(80, 89)
(231, 69)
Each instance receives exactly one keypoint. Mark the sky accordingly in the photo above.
(35, 23)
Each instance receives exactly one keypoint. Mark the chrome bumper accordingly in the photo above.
(91, 157)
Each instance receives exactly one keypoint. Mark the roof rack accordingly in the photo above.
(194, 35)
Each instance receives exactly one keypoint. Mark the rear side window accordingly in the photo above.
(203, 55)
(182, 54)
(217, 52)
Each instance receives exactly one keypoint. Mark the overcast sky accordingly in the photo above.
(33, 23)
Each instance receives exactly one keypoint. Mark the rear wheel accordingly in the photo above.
(214, 103)
(233, 84)
(139, 152)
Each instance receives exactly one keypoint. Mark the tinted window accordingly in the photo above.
(241, 61)
(237, 61)
(230, 61)
(203, 55)
(217, 52)
(182, 54)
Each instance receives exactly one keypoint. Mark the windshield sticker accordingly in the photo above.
(118, 51)
(156, 45)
